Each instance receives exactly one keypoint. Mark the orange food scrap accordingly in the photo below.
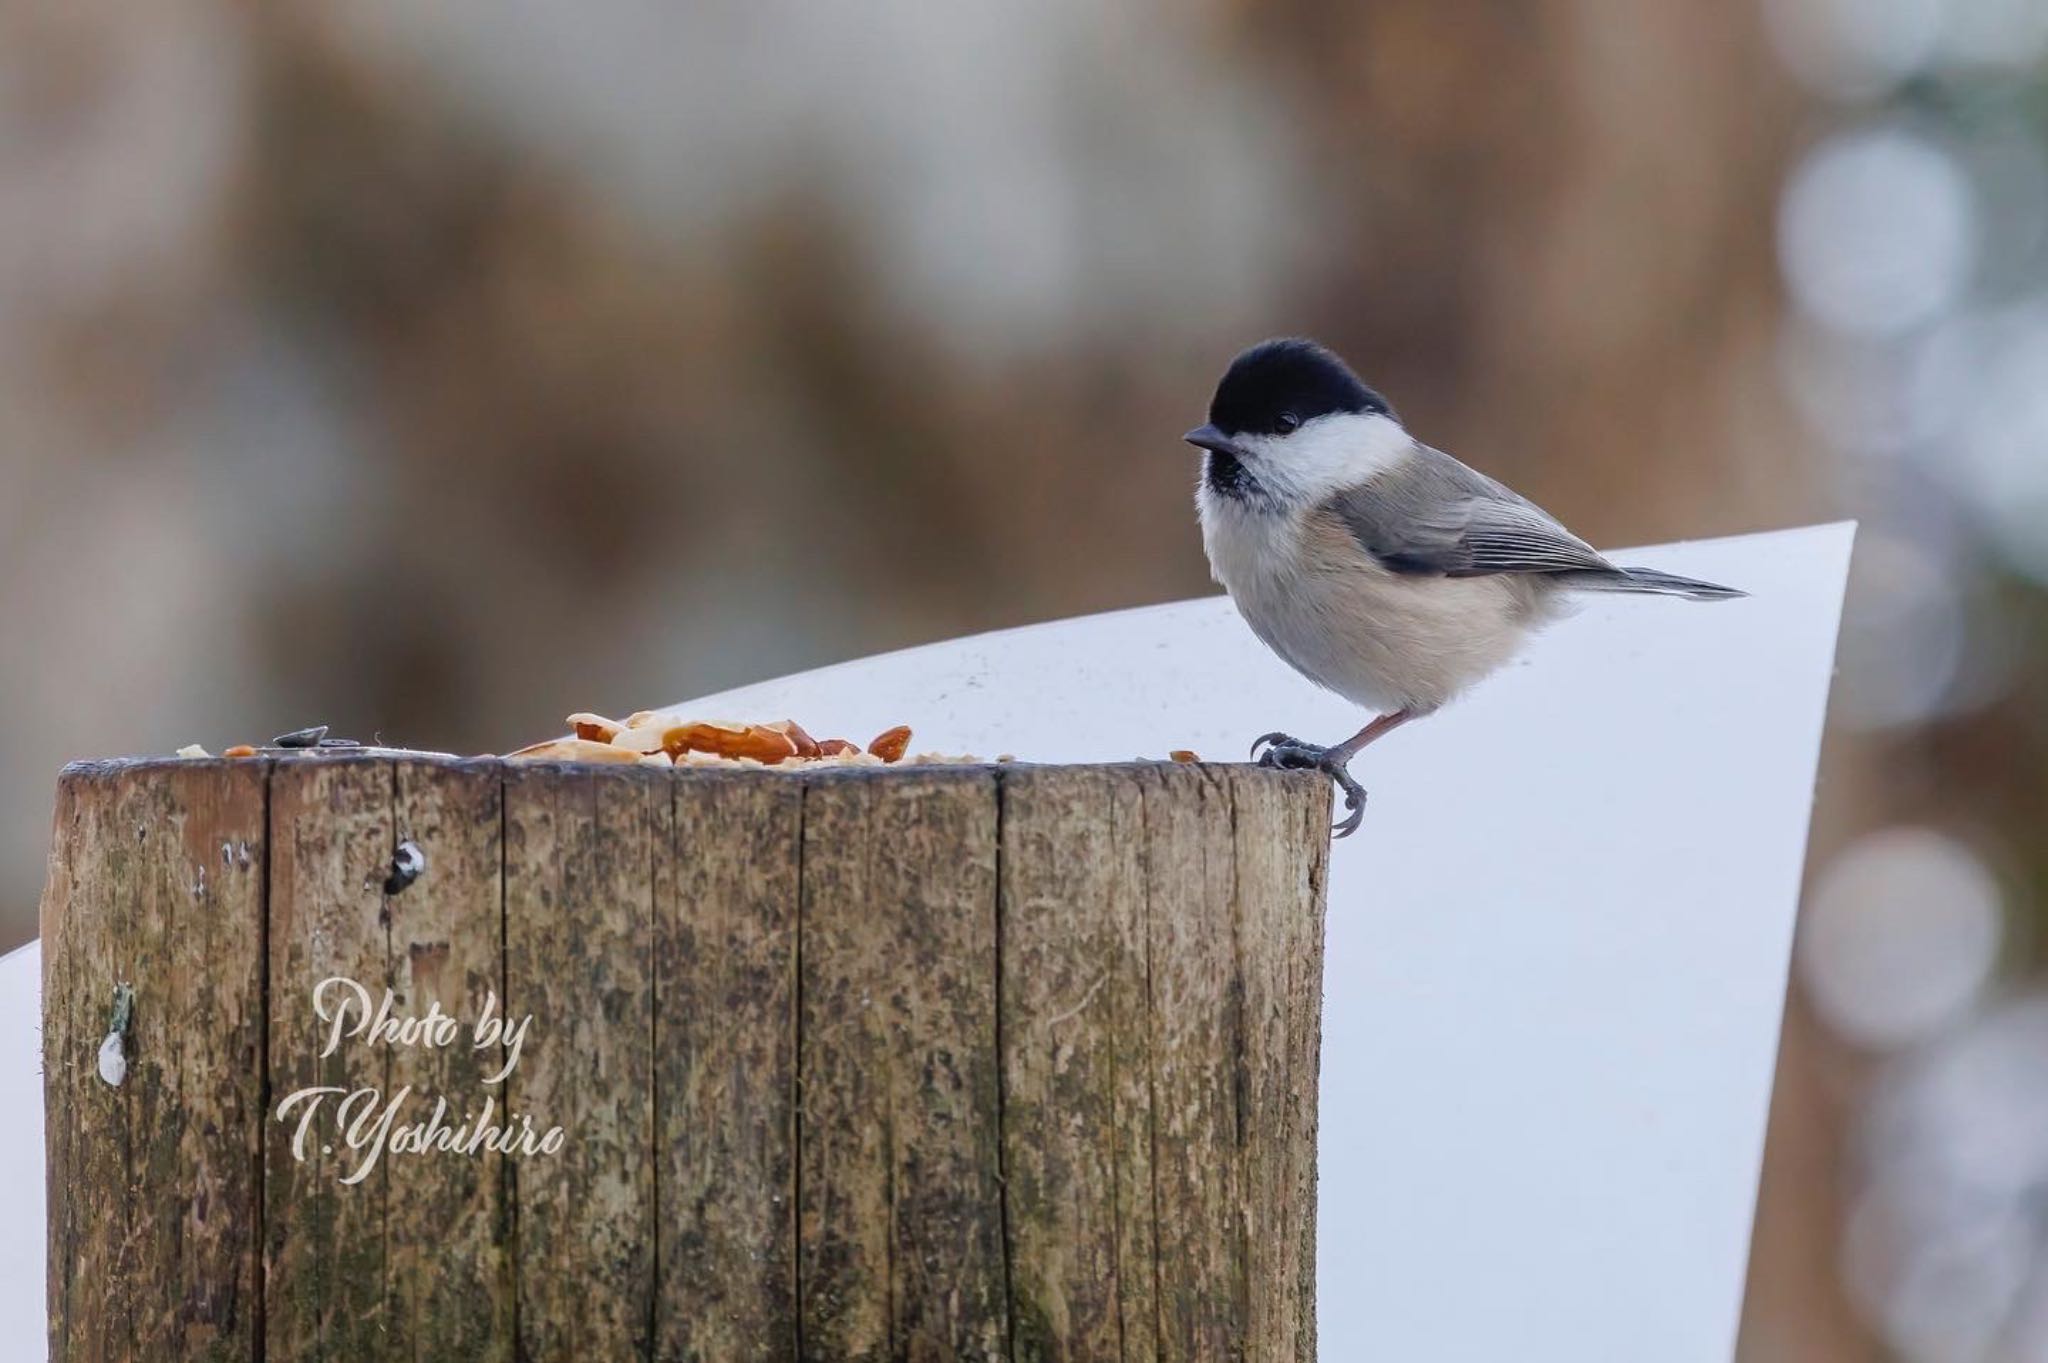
(595, 728)
(239, 750)
(834, 747)
(806, 746)
(1183, 755)
(891, 744)
(758, 741)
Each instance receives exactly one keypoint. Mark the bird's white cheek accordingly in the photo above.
(1330, 453)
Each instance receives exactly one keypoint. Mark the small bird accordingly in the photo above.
(1379, 568)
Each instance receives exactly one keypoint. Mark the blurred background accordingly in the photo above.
(434, 370)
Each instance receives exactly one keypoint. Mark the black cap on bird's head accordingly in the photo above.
(1274, 389)
(1277, 386)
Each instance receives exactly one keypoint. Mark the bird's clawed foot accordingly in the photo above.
(1291, 754)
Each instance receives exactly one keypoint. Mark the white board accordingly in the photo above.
(22, 1246)
(1557, 948)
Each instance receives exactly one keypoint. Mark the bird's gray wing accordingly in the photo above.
(1431, 515)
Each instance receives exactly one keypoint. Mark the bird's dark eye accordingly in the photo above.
(1289, 421)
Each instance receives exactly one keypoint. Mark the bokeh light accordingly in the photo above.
(1878, 233)
(1900, 936)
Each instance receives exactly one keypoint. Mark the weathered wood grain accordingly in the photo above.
(156, 880)
(1196, 1024)
(918, 1063)
(582, 845)
(447, 1279)
(1077, 1114)
(1279, 928)
(900, 1251)
(332, 834)
(725, 1076)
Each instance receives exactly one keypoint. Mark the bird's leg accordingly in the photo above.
(1379, 728)
(1282, 750)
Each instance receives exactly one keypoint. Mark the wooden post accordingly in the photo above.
(922, 1063)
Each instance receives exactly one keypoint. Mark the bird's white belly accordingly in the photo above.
(1380, 639)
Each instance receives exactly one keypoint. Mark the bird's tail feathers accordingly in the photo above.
(1651, 581)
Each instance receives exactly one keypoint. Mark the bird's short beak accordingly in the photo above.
(1209, 438)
